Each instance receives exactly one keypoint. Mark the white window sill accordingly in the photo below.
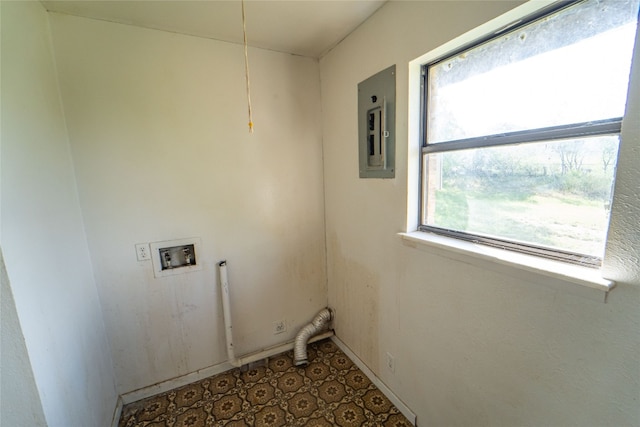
(584, 280)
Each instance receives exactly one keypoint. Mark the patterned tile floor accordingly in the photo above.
(330, 391)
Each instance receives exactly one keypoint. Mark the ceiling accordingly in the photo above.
(303, 27)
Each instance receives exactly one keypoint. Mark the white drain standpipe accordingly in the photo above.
(228, 329)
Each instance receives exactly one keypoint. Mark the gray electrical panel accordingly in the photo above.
(377, 124)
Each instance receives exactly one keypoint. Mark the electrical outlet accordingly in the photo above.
(391, 362)
(279, 327)
(142, 252)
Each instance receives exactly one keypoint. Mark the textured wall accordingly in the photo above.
(43, 240)
(622, 259)
(158, 129)
(472, 346)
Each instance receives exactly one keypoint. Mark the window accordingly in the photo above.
(521, 132)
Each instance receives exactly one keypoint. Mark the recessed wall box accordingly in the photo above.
(175, 256)
(376, 125)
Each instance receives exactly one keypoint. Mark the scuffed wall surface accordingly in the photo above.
(158, 129)
(43, 240)
(472, 346)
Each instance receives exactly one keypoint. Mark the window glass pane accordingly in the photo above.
(554, 194)
(571, 67)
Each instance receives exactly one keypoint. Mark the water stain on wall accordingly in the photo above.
(354, 294)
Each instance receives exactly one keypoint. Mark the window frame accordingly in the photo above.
(611, 126)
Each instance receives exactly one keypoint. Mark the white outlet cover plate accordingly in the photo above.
(279, 327)
(142, 252)
(391, 362)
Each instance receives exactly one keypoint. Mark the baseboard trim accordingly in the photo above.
(408, 413)
(117, 412)
(164, 386)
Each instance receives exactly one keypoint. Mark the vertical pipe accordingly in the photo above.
(226, 310)
(320, 321)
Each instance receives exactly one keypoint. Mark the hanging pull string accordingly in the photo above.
(246, 68)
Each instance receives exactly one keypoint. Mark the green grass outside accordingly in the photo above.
(563, 221)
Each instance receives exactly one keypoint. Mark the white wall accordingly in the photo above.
(158, 129)
(42, 236)
(160, 149)
(472, 346)
(19, 399)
